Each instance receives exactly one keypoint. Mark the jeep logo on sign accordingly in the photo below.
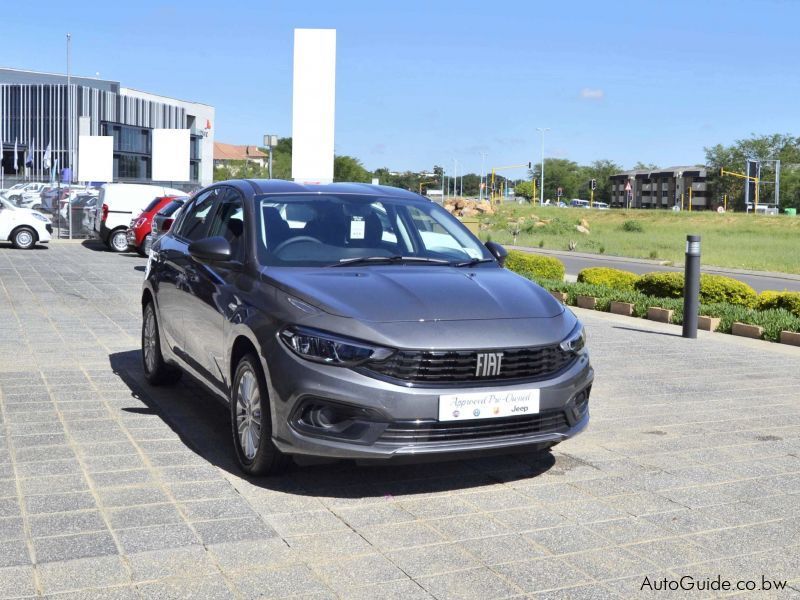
(488, 364)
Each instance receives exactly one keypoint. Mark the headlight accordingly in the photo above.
(41, 217)
(576, 340)
(330, 349)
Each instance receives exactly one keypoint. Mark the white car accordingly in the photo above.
(25, 194)
(23, 227)
(117, 204)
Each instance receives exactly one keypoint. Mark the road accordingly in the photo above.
(575, 262)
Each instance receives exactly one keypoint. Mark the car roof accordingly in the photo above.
(280, 186)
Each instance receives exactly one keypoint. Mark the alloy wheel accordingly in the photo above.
(149, 339)
(248, 414)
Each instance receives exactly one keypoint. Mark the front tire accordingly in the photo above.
(251, 422)
(156, 370)
(118, 241)
(23, 238)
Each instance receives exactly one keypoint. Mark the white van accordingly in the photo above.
(118, 203)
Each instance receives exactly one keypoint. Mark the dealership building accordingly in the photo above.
(37, 110)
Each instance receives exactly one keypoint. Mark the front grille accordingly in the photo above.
(460, 366)
(437, 432)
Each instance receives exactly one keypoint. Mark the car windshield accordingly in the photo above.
(304, 230)
(5, 203)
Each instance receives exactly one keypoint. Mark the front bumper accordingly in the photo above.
(403, 421)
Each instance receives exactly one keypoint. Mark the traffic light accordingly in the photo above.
(529, 164)
(593, 184)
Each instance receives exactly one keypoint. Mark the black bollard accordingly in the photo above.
(691, 286)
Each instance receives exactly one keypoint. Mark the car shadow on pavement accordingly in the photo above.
(203, 425)
(97, 246)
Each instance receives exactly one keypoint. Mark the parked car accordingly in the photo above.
(23, 227)
(117, 204)
(600, 205)
(292, 304)
(24, 194)
(162, 222)
(141, 225)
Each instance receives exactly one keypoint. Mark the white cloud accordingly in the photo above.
(592, 94)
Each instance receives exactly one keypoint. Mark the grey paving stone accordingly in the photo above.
(569, 539)
(378, 514)
(258, 553)
(122, 592)
(289, 524)
(171, 562)
(181, 588)
(9, 507)
(14, 552)
(477, 583)
(610, 563)
(401, 535)
(142, 516)
(436, 559)
(203, 490)
(390, 590)
(98, 571)
(122, 478)
(346, 574)
(131, 496)
(17, 582)
(65, 523)
(52, 503)
(232, 530)
(156, 537)
(68, 547)
(279, 582)
(11, 528)
(503, 548)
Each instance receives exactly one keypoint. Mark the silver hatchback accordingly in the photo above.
(357, 321)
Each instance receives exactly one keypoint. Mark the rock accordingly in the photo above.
(460, 203)
(484, 207)
(468, 211)
(582, 229)
(585, 223)
(540, 224)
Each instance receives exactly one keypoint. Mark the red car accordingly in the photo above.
(140, 226)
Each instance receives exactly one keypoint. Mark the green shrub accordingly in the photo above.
(613, 278)
(666, 284)
(713, 288)
(721, 289)
(632, 226)
(534, 266)
(786, 300)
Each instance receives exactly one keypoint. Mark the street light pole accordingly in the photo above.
(541, 175)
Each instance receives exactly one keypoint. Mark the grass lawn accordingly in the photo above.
(760, 242)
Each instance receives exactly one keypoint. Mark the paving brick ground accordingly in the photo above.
(112, 489)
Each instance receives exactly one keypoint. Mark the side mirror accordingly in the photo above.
(212, 249)
(498, 252)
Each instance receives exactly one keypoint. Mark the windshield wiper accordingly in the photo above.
(473, 261)
(346, 262)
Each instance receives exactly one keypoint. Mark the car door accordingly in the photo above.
(212, 297)
(171, 263)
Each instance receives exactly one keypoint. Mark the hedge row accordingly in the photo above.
(773, 320)
(714, 289)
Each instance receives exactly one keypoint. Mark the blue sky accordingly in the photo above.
(423, 83)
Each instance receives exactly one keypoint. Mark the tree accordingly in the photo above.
(564, 174)
(783, 147)
(347, 168)
(524, 189)
(601, 171)
(640, 166)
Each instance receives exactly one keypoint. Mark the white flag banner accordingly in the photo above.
(46, 159)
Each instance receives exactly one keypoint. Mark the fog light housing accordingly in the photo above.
(580, 402)
(323, 418)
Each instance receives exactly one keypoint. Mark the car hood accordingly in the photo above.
(416, 293)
